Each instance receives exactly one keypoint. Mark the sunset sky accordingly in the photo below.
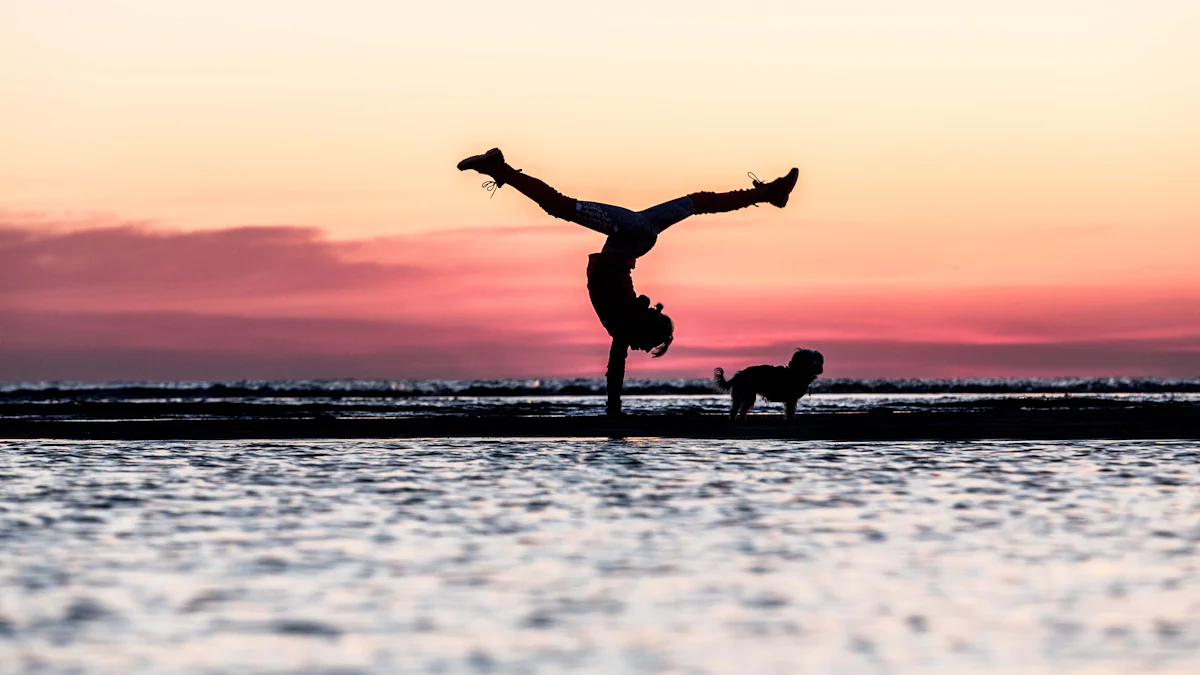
(266, 189)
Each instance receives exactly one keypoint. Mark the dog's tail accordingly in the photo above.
(718, 380)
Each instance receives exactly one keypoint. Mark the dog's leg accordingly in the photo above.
(734, 402)
(747, 403)
(789, 410)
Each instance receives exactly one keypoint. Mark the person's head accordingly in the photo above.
(651, 330)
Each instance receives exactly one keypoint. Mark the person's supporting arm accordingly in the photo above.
(616, 375)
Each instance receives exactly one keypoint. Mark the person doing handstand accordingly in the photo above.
(629, 318)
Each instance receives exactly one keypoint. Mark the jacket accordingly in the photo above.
(610, 287)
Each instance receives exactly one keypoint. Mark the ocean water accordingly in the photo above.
(597, 555)
(549, 397)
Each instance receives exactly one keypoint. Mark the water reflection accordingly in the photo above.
(642, 555)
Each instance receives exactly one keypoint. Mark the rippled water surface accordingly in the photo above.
(599, 555)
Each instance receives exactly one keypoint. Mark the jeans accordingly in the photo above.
(631, 233)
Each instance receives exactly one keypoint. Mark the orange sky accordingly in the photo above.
(996, 176)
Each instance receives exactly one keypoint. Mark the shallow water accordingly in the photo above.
(598, 555)
(716, 403)
(568, 406)
(554, 397)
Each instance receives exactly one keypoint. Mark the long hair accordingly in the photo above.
(670, 332)
(653, 331)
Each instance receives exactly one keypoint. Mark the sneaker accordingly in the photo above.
(777, 191)
(486, 163)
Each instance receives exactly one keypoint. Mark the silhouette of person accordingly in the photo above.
(629, 318)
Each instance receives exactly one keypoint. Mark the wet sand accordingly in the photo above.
(1049, 419)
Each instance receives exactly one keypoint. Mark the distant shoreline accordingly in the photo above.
(1163, 421)
(383, 390)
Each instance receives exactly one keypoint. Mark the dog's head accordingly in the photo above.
(808, 361)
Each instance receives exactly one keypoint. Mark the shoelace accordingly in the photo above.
(492, 185)
(756, 182)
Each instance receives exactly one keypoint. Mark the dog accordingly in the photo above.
(778, 384)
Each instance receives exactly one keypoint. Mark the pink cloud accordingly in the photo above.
(156, 345)
(152, 346)
(126, 265)
(124, 301)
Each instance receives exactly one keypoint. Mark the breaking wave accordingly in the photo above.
(525, 388)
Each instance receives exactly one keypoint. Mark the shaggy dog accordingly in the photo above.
(779, 384)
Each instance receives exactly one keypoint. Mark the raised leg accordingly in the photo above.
(491, 163)
(668, 213)
(720, 202)
(775, 193)
(551, 200)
